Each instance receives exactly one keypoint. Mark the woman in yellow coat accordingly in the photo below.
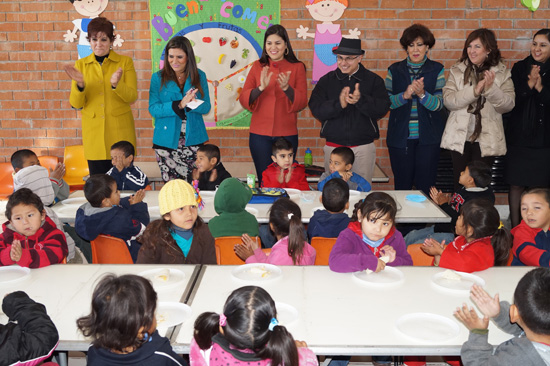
(104, 85)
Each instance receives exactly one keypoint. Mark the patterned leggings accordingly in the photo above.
(179, 163)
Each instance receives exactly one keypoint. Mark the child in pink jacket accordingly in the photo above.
(285, 219)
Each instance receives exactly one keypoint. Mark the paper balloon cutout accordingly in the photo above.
(531, 4)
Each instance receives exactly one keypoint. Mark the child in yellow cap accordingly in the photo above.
(180, 236)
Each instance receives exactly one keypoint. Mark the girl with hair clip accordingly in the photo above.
(179, 128)
(122, 325)
(478, 91)
(285, 219)
(482, 240)
(371, 239)
(246, 332)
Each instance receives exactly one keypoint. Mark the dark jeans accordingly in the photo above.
(260, 149)
(99, 166)
(460, 161)
(415, 165)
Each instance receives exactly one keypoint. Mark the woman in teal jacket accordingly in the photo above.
(179, 128)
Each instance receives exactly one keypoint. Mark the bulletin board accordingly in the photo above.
(227, 37)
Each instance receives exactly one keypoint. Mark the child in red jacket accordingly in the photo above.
(482, 240)
(284, 172)
(30, 238)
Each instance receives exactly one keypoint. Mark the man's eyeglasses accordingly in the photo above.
(346, 59)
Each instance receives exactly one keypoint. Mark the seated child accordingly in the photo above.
(331, 221)
(285, 219)
(30, 238)
(210, 171)
(106, 213)
(30, 335)
(531, 240)
(284, 172)
(123, 326)
(230, 201)
(29, 174)
(528, 319)
(340, 164)
(475, 181)
(370, 236)
(180, 236)
(128, 176)
(482, 240)
(247, 332)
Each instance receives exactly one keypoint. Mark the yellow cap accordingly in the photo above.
(175, 194)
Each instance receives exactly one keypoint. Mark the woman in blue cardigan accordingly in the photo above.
(179, 128)
(416, 124)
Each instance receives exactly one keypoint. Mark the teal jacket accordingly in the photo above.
(167, 123)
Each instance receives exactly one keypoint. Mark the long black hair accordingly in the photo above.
(281, 32)
(249, 311)
(285, 218)
(482, 216)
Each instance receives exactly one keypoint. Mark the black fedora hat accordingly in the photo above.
(349, 46)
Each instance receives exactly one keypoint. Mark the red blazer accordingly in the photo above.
(272, 112)
(468, 257)
(297, 179)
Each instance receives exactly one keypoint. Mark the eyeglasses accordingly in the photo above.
(346, 59)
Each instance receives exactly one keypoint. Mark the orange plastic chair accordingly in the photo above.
(418, 256)
(323, 246)
(48, 161)
(225, 245)
(76, 166)
(6, 180)
(110, 250)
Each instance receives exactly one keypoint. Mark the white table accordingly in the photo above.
(408, 211)
(338, 315)
(66, 291)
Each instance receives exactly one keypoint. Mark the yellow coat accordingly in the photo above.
(106, 114)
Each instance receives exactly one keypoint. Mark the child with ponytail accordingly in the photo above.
(482, 240)
(246, 332)
(285, 219)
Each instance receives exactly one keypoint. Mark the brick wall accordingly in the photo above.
(34, 90)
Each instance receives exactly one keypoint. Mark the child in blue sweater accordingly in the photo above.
(106, 213)
(128, 177)
(330, 222)
(340, 164)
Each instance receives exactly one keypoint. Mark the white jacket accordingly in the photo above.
(457, 97)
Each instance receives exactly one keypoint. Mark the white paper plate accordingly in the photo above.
(164, 277)
(461, 287)
(257, 272)
(11, 274)
(390, 276)
(75, 201)
(286, 314)
(251, 210)
(427, 327)
(170, 314)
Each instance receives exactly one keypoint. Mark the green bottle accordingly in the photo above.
(308, 158)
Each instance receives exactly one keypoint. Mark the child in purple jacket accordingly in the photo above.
(371, 240)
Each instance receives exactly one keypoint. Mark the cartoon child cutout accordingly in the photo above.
(327, 34)
(91, 9)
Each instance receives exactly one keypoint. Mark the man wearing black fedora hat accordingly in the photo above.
(348, 102)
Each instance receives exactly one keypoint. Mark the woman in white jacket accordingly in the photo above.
(478, 91)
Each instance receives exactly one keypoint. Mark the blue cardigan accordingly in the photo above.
(167, 123)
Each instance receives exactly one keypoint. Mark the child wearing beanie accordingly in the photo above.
(180, 236)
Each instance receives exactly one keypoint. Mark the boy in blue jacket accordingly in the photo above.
(106, 213)
(330, 222)
(128, 176)
(340, 164)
